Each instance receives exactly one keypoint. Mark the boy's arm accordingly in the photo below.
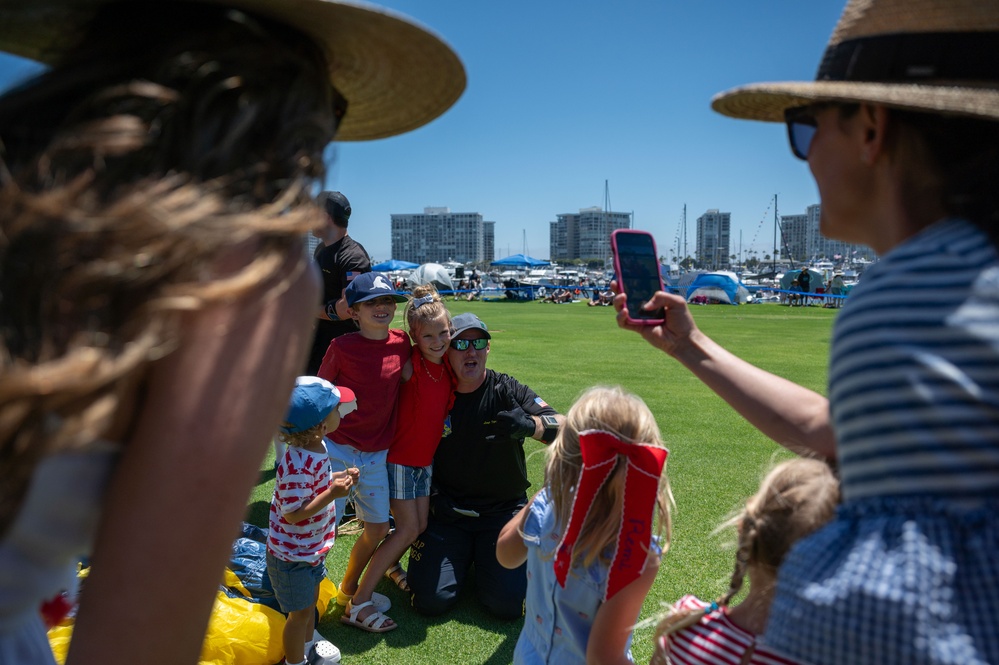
(340, 487)
(311, 507)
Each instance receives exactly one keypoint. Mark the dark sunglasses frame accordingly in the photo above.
(462, 344)
(801, 127)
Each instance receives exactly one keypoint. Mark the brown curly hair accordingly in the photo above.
(167, 136)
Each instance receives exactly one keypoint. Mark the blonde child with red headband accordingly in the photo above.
(587, 536)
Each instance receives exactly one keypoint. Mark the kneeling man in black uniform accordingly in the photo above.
(479, 481)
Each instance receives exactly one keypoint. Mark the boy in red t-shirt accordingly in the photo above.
(372, 362)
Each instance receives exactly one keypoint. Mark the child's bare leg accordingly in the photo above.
(360, 555)
(410, 521)
(297, 630)
(361, 564)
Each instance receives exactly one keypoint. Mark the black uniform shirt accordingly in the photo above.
(476, 473)
(339, 263)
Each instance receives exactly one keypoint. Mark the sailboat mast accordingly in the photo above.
(775, 239)
(684, 232)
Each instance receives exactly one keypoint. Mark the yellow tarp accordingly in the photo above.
(240, 632)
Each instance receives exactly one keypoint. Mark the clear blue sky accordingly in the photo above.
(565, 94)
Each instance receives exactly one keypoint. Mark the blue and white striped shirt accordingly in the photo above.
(914, 369)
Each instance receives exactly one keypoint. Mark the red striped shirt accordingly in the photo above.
(715, 640)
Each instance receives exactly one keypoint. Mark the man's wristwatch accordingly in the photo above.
(331, 311)
(550, 424)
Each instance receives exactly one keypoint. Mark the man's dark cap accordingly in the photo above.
(336, 206)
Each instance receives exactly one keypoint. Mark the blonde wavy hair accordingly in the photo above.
(795, 499)
(305, 438)
(624, 414)
(172, 132)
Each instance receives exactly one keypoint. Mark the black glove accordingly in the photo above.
(512, 424)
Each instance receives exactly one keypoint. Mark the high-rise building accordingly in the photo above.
(437, 235)
(713, 230)
(795, 238)
(804, 243)
(586, 234)
(488, 241)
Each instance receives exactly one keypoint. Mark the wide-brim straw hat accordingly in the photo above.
(396, 75)
(938, 56)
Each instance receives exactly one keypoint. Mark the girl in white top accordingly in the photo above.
(588, 535)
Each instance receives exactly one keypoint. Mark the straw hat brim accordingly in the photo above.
(767, 101)
(395, 74)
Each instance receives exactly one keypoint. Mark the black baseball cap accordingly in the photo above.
(336, 206)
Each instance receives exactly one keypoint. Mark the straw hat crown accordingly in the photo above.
(938, 56)
(879, 17)
(395, 74)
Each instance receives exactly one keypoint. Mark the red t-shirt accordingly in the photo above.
(424, 402)
(373, 370)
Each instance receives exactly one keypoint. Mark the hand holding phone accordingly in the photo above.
(636, 263)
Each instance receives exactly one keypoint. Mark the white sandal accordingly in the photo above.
(375, 623)
(381, 601)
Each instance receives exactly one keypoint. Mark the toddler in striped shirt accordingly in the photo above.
(302, 525)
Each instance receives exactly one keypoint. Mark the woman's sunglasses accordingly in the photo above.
(462, 344)
(801, 126)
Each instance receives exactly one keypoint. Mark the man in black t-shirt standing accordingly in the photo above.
(805, 282)
(341, 259)
(479, 481)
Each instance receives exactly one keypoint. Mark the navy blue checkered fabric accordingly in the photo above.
(910, 580)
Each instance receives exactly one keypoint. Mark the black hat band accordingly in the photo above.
(913, 58)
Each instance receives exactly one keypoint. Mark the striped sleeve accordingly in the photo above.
(914, 369)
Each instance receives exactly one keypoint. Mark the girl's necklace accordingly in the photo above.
(427, 370)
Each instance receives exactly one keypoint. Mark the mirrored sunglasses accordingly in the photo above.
(462, 344)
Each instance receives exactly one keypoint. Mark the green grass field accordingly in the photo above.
(716, 458)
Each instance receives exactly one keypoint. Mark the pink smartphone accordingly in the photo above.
(636, 263)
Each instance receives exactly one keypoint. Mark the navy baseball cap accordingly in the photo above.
(468, 321)
(312, 400)
(371, 285)
(336, 206)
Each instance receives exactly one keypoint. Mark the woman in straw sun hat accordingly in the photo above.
(901, 132)
(155, 185)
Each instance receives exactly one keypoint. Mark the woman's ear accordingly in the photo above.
(873, 121)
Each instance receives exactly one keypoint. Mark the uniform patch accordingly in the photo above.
(540, 402)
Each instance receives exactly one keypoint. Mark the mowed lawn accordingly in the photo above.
(716, 458)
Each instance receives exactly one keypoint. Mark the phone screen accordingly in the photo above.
(637, 272)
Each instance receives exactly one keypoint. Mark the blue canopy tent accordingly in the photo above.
(393, 265)
(521, 260)
(718, 287)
